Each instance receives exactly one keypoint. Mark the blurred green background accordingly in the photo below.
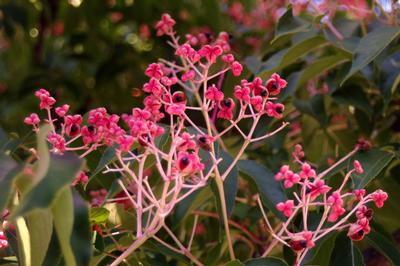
(88, 53)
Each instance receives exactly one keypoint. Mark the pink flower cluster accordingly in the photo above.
(338, 206)
(165, 129)
(3, 240)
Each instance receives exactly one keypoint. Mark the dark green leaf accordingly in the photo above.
(40, 225)
(321, 253)
(63, 216)
(268, 261)
(153, 245)
(81, 240)
(384, 245)
(321, 66)
(291, 55)
(371, 46)
(288, 25)
(345, 253)
(8, 171)
(315, 107)
(234, 263)
(107, 157)
(270, 190)
(62, 170)
(373, 163)
(353, 96)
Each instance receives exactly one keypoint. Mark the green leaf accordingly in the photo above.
(321, 253)
(373, 162)
(63, 215)
(288, 25)
(353, 96)
(234, 263)
(24, 249)
(370, 47)
(385, 246)
(107, 157)
(270, 190)
(315, 107)
(291, 55)
(185, 207)
(98, 215)
(268, 261)
(81, 238)
(53, 255)
(345, 253)
(40, 225)
(3, 139)
(8, 171)
(321, 66)
(43, 152)
(153, 245)
(62, 170)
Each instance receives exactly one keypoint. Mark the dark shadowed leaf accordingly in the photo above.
(8, 171)
(314, 107)
(288, 25)
(373, 162)
(321, 253)
(345, 253)
(81, 239)
(386, 246)
(234, 263)
(153, 245)
(268, 261)
(270, 190)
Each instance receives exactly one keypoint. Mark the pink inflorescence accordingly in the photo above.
(174, 91)
(3, 240)
(343, 208)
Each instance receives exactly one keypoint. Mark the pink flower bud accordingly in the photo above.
(307, 171)
(32, 119)
(237, 68)
(214, 94)
(188, 76)
(286, 207)
(379, 197)
(165, 25)
(154, 71)
(358, 167)
(62, 110)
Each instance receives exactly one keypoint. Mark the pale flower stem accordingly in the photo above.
(126, 192)
(184, 250)
(167, 245)
(321, 175)
(196, 218)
